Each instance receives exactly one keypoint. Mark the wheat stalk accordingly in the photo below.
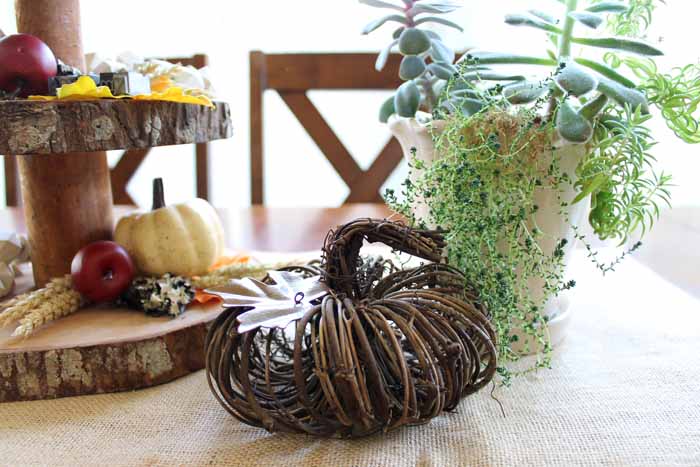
(57, 305)
(236, 271)
(36, 308)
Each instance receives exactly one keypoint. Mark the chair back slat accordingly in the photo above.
(292, 76)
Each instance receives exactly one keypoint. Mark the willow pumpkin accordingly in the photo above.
(184, 239)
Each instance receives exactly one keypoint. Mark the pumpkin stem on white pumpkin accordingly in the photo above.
(158, 194)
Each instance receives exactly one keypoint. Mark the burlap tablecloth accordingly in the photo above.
(625, 390)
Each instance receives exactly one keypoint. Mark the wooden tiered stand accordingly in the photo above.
(68, 203)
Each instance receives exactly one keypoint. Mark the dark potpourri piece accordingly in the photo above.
(159, 296)
(379, 348)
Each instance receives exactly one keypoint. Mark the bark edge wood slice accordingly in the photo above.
(99, 369)
(40, 127)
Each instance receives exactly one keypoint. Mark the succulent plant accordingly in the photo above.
(581, 88)
(427, 63)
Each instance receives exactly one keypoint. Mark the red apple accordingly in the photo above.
(101, 271)
(27, 61)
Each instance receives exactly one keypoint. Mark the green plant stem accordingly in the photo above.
(564, 53)
(567, 32)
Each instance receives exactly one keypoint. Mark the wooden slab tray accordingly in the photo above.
(56, 127)
(98, 350)
(102, 350)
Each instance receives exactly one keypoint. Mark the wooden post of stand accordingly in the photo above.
(67, 197)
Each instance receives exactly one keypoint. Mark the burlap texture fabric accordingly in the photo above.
(624, 390)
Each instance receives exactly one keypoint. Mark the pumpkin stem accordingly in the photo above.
(158, 194)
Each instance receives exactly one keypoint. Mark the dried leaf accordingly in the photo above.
(273, 305)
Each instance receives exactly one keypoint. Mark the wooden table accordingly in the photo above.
(259, 228)
(623, 391)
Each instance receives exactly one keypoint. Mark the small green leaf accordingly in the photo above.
(624, 96)
(495, 58)
(440, 52)
(524, 92)
(443, 21)
(413, 42)
(591, 20)
(397, 32)
(412, 66)
(591, 187)
(572, 126)
(462, 93)
(384, 56)
(530, 21)
(473, 76)
(407, 99)
(593, 107)
(442, 70)
(471, 106)
(387, 110)
(575, 79)
(606, 71)
(380, 22)
(546, 17)
(608, 7)
(437, 6)
(615, 43)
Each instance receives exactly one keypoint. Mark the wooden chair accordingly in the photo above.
(292, 75)
(128, 163)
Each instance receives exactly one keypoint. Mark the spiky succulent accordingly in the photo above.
(581, 88)
(427, 61)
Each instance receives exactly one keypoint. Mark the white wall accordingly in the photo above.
(296, 172)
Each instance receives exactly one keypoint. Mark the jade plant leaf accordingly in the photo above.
(573, 126)
(524, 92)
(442, 70)
(496, 58)
(381, 21)
(437, 19)
(412, 66)
(437, 6)
(587, 18)
(413, 42)
(474, 76)
(575, 80)
(439, 52)
(407, 99)
(616, 43)
(272, 305)
(546, 17)
(384, 56)
(593, 107)
(624, 96)
(608, 7)
(519, 19)
(387, 110)
(471, 106)
(605, 71)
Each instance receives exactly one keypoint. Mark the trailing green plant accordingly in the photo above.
(482, 191)
(427, 61)
(506, 137)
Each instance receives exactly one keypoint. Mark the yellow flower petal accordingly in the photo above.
(84, 87)
(175, 94)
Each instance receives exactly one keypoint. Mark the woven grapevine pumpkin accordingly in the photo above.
(373, 349)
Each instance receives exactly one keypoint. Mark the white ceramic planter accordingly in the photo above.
(414, 135)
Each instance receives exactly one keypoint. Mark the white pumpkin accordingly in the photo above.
(183, 239)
